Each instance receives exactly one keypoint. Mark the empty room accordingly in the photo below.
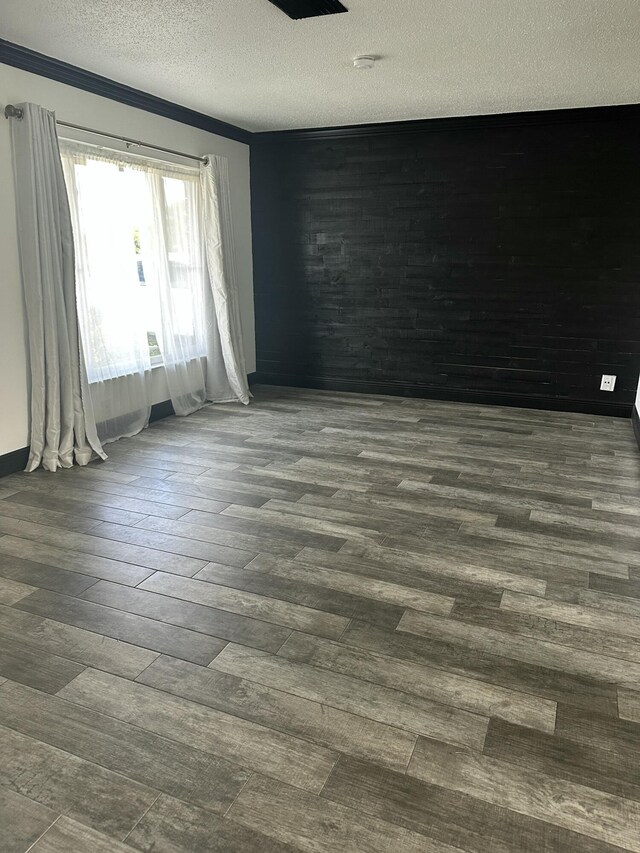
(320, 426)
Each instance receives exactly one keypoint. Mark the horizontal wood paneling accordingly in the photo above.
(500, 262)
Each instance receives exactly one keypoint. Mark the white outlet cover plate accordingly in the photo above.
(608, 382)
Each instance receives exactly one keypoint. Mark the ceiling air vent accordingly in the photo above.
(297, 9)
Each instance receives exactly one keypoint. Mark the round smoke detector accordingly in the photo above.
(364, 63)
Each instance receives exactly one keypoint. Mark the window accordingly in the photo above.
(141, 276)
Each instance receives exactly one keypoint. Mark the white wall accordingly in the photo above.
(83, 108)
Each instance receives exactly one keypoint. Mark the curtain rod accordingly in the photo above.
(11, 111)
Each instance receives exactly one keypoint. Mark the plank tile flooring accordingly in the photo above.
(328, 623)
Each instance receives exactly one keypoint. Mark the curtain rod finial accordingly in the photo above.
(13, 112)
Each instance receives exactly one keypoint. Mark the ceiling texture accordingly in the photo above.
(246, 62)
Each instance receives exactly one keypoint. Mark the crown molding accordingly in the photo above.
(46, 66)
(629, 112)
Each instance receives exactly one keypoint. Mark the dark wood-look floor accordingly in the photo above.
(326, 623)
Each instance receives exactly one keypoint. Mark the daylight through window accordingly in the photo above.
(139, 260)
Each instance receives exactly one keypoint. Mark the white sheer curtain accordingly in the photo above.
(62, 428)
(107, 202)
(156, 271)
(176, 264)
(192, 258)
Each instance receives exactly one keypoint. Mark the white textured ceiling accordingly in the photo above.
(245, 62)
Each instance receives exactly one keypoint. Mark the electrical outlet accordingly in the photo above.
(608, 382)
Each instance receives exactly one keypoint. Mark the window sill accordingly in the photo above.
(156, 363)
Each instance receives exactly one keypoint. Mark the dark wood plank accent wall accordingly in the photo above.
(497, 263)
